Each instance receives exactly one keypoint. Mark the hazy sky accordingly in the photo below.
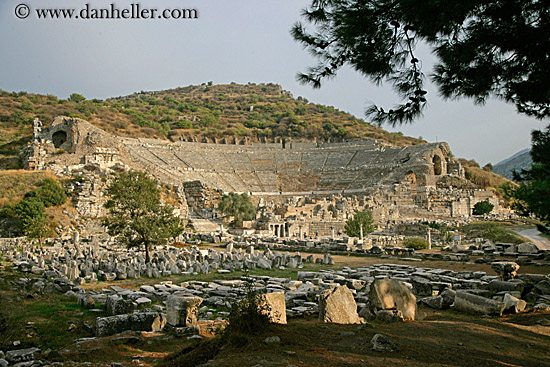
(232, 41)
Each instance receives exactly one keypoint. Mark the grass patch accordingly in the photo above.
(494, 231)
(41, 320)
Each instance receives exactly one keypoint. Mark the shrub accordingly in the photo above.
(49, 192)
(75, 97)
(415, 243)
(184, 124)
(249, 316)
(483, 207)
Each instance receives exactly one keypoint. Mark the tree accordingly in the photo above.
(32, 213)
(238, 206)
(136, 214)
(75, 97)
(532, 196)
(360, 219)
(482, 208)
(488, 167)
(49, 192)
(484, 49)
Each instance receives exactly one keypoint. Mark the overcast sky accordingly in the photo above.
(232, 41)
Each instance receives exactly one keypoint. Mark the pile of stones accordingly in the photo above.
(366, 288)
(320, 246)
(28, 357)
(488, 252)
(90, 263)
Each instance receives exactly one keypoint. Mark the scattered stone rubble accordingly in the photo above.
(484, 253)
(386, 292)
(88, 263)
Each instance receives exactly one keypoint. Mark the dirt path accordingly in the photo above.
(534, 236)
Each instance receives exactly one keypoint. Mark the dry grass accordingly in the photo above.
(15, 183)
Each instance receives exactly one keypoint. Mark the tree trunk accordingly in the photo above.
(147, 254)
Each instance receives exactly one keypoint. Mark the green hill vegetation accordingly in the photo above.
(261, 112)
(484, 178)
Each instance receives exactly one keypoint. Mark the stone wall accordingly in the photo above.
(393, 182)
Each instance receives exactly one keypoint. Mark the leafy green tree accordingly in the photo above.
(484, 49)
(482, 208)
(34, 223)
(49, 192)
(360, 219)
(532, 196)
(75, 97)
(136, 214)
(240, 207)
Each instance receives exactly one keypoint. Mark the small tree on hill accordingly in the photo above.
(49, 192)
(360, 219)
(482, 208)
(75, 97)
(33, 218)
(240, 207)
(136, 214)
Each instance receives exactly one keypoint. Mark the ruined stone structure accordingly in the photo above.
(394, 182)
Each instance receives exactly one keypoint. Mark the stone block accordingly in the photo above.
(381, 343)
(386, 294)
(182, 310)
(338, 306)
(543, 287)
(85, 301)
(22, 355)
(116, 305)
(274, 306)
(139, 321)
(500, 285)
(513, 304)
(505, 269)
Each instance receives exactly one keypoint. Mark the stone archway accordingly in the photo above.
(59, 138)
(438, 169)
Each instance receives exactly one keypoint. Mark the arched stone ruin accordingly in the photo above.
(59, 138)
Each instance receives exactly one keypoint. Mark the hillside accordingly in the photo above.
(519, 161)
(484, 178)
(263, 112)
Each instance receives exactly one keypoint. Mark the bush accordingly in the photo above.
(415, 243)
(49, 192)
(75, 97)
(483, 207)
(249, 316)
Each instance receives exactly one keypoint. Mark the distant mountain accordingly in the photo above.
(517, 162)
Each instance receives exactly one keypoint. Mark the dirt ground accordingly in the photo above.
(440, 339)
